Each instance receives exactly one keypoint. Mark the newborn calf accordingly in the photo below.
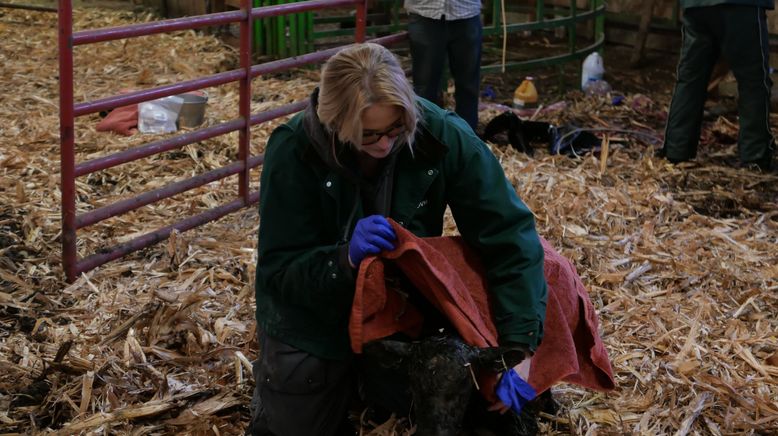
(439, 371)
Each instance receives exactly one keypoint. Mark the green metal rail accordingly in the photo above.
(284, 35)
(395, 24)
(568, 17)
(296, 34)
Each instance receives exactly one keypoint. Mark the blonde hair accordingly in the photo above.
(357, 77)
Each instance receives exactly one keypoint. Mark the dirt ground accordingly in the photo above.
(680, 261)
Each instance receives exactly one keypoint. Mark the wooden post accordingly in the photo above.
(640, 39)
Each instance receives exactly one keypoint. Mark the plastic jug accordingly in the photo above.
(593, 69)
(526, 94)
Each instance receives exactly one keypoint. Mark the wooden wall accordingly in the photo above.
(180, 8)
(664, 9)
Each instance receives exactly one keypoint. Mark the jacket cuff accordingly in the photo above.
(525, 336)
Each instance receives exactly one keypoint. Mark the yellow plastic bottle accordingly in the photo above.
(526, 94)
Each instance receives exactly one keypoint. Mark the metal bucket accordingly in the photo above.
(192, 111)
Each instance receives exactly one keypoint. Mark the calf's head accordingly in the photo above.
(439, 371)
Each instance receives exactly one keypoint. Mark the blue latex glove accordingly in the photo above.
(372, 234)
(514, 391)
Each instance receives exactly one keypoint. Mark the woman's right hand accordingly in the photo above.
(372, 235)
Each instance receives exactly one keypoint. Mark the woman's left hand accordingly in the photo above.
(499, 407)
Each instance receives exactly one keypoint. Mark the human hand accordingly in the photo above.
(371, 235)
(513, 392)
(499, 407)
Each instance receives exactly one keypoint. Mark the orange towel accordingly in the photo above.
(449, 274)
(123, 120)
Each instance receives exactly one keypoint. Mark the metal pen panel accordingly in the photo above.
(244, 101)
(162, 26)
(156, 236)
(247, 16)
(130, 204)
(158, 92)
(156, 147)
(361, 21)
(67, 138)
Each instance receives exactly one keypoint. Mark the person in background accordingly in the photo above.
(441, 30)
(365, 149)
(736, 30)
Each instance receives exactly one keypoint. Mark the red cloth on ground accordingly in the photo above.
(449, 274)
(123, 120)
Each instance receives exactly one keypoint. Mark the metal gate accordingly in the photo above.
(565, 17)
(70, 169)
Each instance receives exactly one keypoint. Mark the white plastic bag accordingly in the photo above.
(160, 115)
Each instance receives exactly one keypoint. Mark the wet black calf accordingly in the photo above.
(520, 133)
(441, 382)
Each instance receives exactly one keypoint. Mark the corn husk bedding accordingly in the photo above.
(680, 261)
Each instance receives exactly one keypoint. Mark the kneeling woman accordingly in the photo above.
(366, 149)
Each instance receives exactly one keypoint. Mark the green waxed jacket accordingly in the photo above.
(767, 4)
(308, 209)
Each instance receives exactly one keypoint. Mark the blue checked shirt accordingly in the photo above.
(448, 9)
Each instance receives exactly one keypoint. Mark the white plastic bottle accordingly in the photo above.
(593, 69)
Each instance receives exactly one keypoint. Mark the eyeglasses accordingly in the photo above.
(392, 132)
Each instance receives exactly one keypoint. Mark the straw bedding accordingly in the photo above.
(680, 261)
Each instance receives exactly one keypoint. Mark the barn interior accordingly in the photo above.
(680, 260)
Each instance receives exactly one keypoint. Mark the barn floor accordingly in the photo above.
(680, 261)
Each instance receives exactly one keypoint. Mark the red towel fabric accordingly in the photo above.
(449, 274)
(122, 120)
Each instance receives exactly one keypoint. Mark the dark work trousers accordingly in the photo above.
(739, 34)
(299, 394)
(432, 42)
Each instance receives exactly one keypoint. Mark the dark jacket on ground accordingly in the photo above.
(310, 202)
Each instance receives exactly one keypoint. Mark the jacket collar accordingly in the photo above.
(427, 146)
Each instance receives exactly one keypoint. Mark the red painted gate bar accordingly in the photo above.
(71, 221)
